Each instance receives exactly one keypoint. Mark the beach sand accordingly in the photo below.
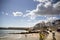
(34, 36)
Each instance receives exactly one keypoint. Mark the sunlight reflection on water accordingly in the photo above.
(5, 32)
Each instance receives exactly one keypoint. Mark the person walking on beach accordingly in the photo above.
(41, 36)
(25, 35)
(54, 36)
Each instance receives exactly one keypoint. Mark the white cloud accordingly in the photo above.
(47, 4)
(29, 20)
(42, 0)
(17, 13)
(6, 14)
(30, 15)
(45, 8)
(51, 19)
(57, 6)
(2, 12)
(27, 11)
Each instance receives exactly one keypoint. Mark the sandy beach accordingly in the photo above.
(34, 36)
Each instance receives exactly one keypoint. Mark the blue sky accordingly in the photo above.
(26, 13)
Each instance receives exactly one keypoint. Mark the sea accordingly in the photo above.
(6, 32)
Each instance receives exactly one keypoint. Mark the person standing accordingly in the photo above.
(54, 36)
(41, 36)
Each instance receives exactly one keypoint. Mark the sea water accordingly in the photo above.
(5, 32)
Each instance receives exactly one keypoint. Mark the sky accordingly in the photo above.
(26, 13)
